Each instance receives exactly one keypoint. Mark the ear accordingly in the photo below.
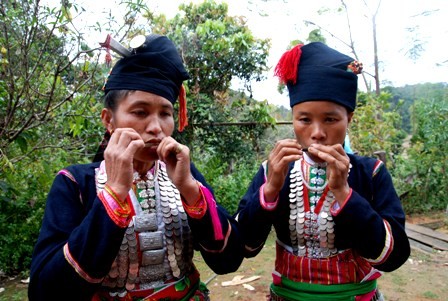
(350, 117)
(107, 119)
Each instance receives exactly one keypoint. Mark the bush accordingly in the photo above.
(421, 172)
(229, 188)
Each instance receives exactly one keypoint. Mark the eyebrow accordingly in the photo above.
(149, 104)
(329, 113)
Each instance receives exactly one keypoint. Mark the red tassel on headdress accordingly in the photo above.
(106, 45)
(183, 118)
(288, 64)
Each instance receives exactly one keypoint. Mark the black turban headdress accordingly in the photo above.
(318, 72)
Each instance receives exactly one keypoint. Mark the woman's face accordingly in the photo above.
(150, 115)
(320, 122)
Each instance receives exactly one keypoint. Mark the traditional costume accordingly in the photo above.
(92, 246)
(325, 251)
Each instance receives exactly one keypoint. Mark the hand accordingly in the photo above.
(338, 165)
(177, 159)
(284, 152)
(119, 157)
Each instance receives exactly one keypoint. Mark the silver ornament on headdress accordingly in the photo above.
(117, 47)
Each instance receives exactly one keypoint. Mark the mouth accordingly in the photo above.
(152, 143)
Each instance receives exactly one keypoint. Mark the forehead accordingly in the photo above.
(141, 98)
(318, 107)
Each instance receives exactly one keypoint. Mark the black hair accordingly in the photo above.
(112, 98)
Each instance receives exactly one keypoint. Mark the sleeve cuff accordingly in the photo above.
(336, 208)
(268, 206)
(118, 211)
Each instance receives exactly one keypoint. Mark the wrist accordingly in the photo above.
(270, 195)
(190, 192)
(341, 194)
(120, 192)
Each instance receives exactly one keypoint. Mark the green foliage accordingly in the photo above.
(404, 97)
(215, 47)
(316, 36)
(423, 169)
(375, 127)
(241, 124)
(229, 188)
(21, 206)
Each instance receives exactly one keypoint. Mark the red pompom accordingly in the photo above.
(288, 64)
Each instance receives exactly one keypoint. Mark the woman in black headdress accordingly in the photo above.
(338, 220)
(124, 228)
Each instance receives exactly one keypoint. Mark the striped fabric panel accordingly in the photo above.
(388, 246)
(68, 256)
(69, 175)
(344, 267)
(377, 167)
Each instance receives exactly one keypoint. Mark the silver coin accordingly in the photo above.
(133, 243)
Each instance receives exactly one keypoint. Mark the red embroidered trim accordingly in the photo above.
(68, 256)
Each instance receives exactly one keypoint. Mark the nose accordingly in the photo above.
(318, 132)
(153, 125)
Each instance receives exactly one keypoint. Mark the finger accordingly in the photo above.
(286, 143)
(124, 142)
(329, 153)
(178, 149)
(285, 148)
(123, 136)
(170, 148)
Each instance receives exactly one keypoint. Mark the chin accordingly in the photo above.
(315, 159)
(147, 156)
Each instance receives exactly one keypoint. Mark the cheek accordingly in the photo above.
(299, 131)
(167, 126)
(339, 133)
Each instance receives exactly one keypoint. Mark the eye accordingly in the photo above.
(331, 119)
(304, 120)
(139, 113)
(166, 113)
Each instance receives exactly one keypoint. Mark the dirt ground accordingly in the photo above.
(424, 277)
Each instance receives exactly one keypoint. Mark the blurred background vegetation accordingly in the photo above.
(50, 99)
